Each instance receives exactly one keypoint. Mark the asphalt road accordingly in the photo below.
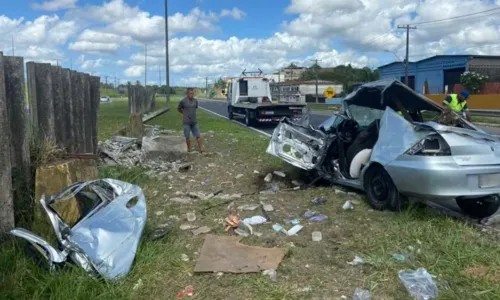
(220, 107)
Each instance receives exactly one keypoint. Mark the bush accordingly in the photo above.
(473, 81)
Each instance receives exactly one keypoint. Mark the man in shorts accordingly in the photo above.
(187, 107)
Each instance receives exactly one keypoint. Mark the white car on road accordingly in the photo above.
(105, 99)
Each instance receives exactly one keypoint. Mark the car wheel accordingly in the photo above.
(381, 192)
(230, 113)
(248, 118)
(480, 207)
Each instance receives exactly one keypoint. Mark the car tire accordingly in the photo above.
(230, 113)
(478, 208)
(381, 192)
(248, 118)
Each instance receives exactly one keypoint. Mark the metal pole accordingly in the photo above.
(167, 79)
(146, 65)
(407, 27)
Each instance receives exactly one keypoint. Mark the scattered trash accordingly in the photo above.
(241, 232)
(255, 220)
(268, 177)
(399, 257)
(201, 230)
(267, 207)
(257, 233)
(159, 213)
(239, 176)
(319, 200)
(278, 228)
(181, 200)
(317, 236)
(188, 291)
(160, 232)
(297, 183)
(205, 182)
(294, 230)
(138, 285)
(318, 218)
(308, 214)
(273, 189)
(187, 227)
(271, 273)
(230, 197)
(184, 257)
(256, 172)
(292, 220)
(306, 289)
(232, 221)
(419, 283)
(226, 254)
(191, 216)
(347, 205)
(244, 229)
(249, 207)
(361, 294)
(280, 174)
(356, 261)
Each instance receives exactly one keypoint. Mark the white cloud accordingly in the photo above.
(54, 5)
(90, 64)
(235, 13)
(314, 6)
(122, 63)
(96, 42)
(94, 48)
(134, 71)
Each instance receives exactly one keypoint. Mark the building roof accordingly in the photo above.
(470, 56)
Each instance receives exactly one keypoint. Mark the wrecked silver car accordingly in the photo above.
(105, 237)
(391, 142)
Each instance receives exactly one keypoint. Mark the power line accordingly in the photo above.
(456, 17)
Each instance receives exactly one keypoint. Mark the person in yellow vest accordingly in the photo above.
(458, 103)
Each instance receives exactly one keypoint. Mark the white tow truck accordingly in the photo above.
(250, 97)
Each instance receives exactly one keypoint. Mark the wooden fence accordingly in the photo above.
(64, 107)
(141, 100)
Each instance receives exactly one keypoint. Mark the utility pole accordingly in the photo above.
(316, 75)
(206, 86)
(167, 78)
(407, 27)
(106, 80)
(146, 65)
(159, 75)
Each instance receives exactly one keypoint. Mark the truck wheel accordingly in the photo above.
(248, 118)
(381, 192)
(480, 207)
(230, 113)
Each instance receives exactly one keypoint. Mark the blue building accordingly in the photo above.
(441, 71)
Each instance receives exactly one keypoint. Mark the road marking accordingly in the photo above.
(249, 127)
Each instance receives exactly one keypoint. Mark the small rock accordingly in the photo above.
(211, 165)
(239, 176)
(317, 236)
(356, 261)
(280, 174)
(159, 213)
(256, 172)
(258, 234)
(248, 207)
(347, 205)
(297, 183)
(155, 193)
(187, 227)
(182, 200)
(219, 275)
(268, 177)
(174, 217)
(191, 216)
(271, 273)
(307, 289)
(184, 257)
(268, 207)
(230, 197)
(352, 194)
(201, 230)
(339, 192)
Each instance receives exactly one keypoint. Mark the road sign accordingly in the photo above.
(329, 93)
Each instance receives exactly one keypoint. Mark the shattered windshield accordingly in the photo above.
(365, 115)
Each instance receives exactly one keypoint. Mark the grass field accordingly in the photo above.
(465, 260)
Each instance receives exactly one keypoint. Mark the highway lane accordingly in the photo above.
(220, 107)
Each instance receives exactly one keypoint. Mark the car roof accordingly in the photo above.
(385, 93)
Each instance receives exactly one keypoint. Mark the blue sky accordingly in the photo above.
(221, 38)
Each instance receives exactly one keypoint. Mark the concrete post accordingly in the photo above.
(87, 119)
(67, 110)
(58, 99)
(31, 76)
(6, 202)
(76, 111)
(45, 103)
(20, 154)
(129, 93)
(95, 96)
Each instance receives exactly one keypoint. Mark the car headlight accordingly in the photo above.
(432, 145)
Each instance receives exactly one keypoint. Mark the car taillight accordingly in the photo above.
(432, 145)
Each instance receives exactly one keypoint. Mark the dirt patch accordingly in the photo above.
(483, 272)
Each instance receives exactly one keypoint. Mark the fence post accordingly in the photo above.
(58, 99)
(20, 154)
(32, 96)
(67, 109)
(45, 103)
(76, 111)
(6, 202)
(87, 115)
(95, 96)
